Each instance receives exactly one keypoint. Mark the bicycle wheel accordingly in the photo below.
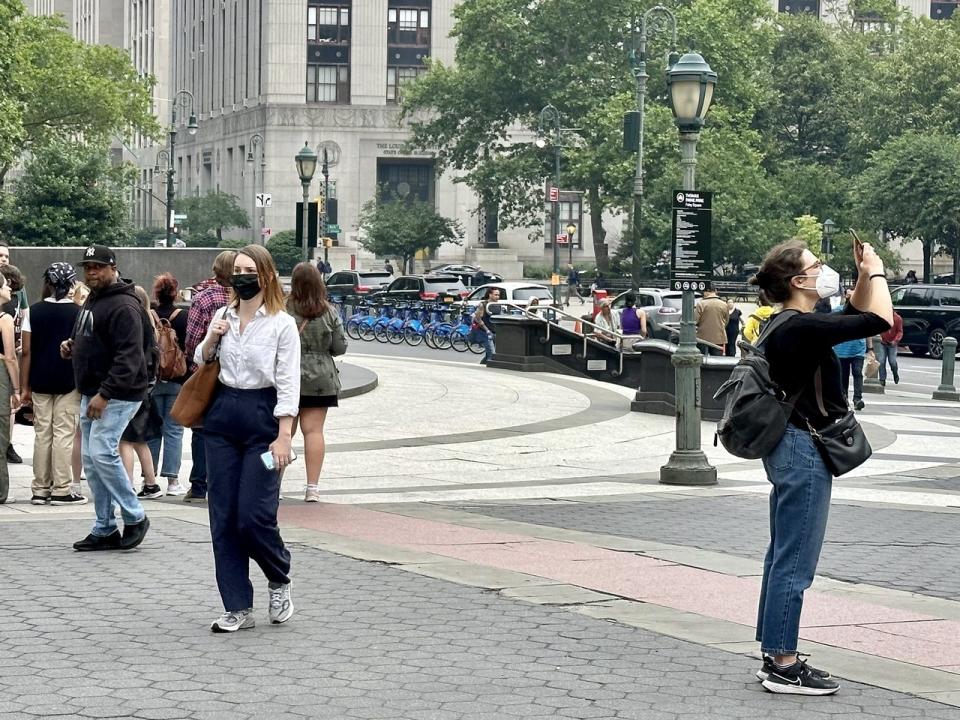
(441, 338)
(366, 331)
(353, 329)
(412, 337)
(394, 335)
(380, 333)
(475, 347)
(429, 339)
(459, 341)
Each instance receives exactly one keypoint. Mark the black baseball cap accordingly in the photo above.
(98, 254)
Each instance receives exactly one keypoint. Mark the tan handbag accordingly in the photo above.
(197, 392)
(871, 368)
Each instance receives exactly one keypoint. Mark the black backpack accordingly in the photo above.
(755, 410)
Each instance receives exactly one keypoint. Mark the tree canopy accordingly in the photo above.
(211, 214)
(402, 228)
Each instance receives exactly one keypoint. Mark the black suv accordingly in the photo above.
(930, 313)
(412, 288)
(357, 282)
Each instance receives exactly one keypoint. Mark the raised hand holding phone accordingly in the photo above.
(857, 247)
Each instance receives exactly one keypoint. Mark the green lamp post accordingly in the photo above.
(306, 161)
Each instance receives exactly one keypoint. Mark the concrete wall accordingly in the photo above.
(188, 265)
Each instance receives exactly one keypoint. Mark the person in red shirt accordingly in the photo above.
(887, 350)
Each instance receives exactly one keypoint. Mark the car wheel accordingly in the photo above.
(935, 343)
(918, 351)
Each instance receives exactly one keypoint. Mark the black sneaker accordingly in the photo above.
(798, 679)
(95, 542)
(191, 498)
(68, 500)
(134, 533)
(150, 492)
(859, 405)
(39, 500)
(768, 667)
(13, 456)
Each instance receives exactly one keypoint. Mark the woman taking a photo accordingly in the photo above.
(800, 352)
(321, 339)
(247, 432)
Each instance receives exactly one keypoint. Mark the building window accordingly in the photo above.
(328, 84)
(328, 24)
(405, 180)
(408, 26)
(943, 10)
(795, 7)
(396, 77)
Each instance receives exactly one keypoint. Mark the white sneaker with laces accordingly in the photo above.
(176, 488)
(233, 621)
(281, 603)
(312, 494)
(75, 489)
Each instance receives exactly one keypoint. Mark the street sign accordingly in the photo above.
(691, 261)
(266, 232)
(335, 229)
(563, 239)
(554, 194)
(178, 217)
(264, 200)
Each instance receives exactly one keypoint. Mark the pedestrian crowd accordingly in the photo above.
(98, 364)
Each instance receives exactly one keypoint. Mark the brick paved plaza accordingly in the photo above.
(516, 560)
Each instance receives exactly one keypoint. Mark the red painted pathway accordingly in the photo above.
(840, 622)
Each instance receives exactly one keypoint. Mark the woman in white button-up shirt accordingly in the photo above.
(247, 433)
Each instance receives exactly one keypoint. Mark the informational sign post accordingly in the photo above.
(691, 260)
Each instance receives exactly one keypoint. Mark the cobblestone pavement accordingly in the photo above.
(125, 635)
(902, 549)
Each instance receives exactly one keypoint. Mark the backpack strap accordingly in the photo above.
(174, 314)
(772, 324)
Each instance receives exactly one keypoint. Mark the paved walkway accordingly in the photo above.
(496, 545)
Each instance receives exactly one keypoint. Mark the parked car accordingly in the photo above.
(518, 293)
(411, 288)
(662, 308)
(357, 282)
(468, 274)
(930, 313)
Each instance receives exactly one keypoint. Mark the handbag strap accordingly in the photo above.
(303, 325)
(216, 349)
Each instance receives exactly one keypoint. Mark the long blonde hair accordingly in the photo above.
(269, 282)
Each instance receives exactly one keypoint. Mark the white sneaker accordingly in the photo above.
(281, 603)
(312, 494)
(176, 488)
(233, 621)
(75, 489)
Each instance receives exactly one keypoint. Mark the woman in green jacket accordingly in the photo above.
(321, 339)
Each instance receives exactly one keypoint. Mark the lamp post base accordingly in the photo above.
(688, 467)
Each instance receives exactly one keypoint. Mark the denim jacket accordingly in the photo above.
(321, 339)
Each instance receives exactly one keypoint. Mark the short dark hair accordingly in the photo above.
(13, 276)
(630, 299)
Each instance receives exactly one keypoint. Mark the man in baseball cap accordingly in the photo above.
(112, 351)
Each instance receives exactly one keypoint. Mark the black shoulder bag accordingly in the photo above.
(843, 445)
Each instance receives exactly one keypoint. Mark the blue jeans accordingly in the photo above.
(164, 395)
(486, 339)
(854, 366)
(799, 505)
(106, 477)
(887, 353)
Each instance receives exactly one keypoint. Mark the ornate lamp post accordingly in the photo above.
(550, 123)
(256, 143)
(306, 161)
(638, 61)
(826, 244)
(192, 126)
(691, 83)
(571, 231)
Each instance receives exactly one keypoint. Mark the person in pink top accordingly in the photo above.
(887, 350)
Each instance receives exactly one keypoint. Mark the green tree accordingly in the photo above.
(11, 92)
(68, 195)
(67, 90)
(911, 189)
(212, 213)
(402, 228)
(285, 250)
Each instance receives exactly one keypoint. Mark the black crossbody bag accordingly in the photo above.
(842, 444)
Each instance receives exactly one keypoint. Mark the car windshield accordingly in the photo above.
(381, 277)
(673, 301)
(443, 284)
(526, 293)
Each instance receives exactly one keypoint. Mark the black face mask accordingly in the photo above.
(246, 285)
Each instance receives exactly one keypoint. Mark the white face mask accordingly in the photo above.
(828, 282)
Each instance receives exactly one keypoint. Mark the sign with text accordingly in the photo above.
(563, 239)
(553, 194)
(691, 260)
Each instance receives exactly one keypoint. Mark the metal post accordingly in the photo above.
(326, 207)
(871, 385)
(170, 179)
(947, 390)
(305, 252)
(688, 465)
(640, 72)
(263, 184)
(555, 210)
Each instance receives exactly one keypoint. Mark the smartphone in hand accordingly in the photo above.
(857, 247)
(267, 459)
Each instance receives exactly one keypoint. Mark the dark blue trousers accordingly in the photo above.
(242, 495)
(198, 473)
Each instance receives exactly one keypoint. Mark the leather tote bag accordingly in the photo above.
(197, 392)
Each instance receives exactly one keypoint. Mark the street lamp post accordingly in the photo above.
(550, 120)
(826, 249)
(306, 161)
(192, 126)
(325, 170)
(571, 231)
(691, 83)
(256, 142)
(638, 62)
